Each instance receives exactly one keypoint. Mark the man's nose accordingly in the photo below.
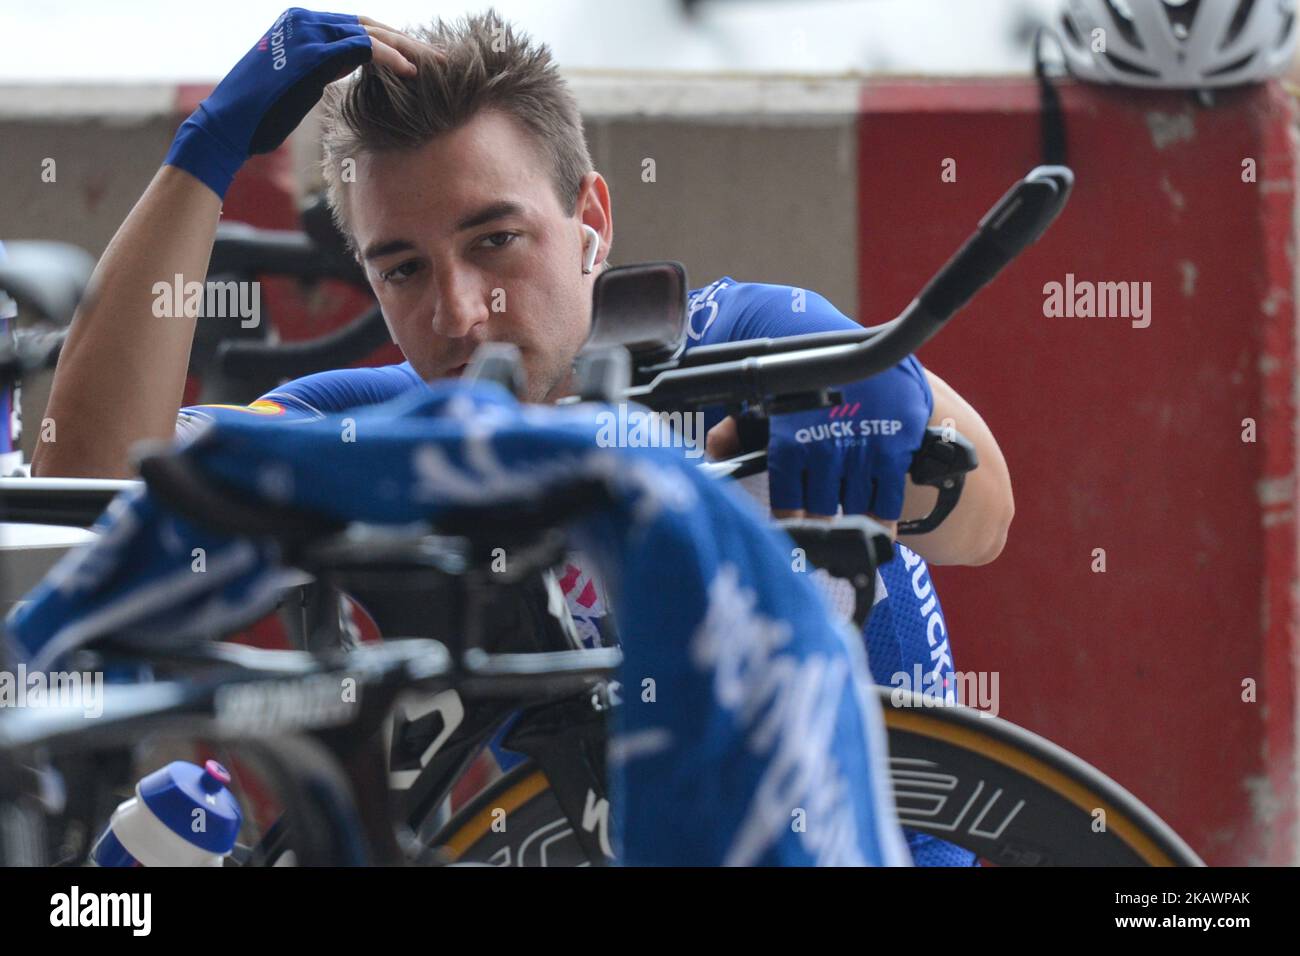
(461, 305)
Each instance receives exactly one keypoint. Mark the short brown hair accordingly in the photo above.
(485, 64)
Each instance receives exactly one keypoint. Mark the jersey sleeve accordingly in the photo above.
(731, 311)
(341, 389)
(314, 396)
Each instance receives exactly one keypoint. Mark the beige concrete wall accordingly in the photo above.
(754, 177)
(752, 202)
(106, 144)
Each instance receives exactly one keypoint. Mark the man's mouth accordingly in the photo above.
(457, 371)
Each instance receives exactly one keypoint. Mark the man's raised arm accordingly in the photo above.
(122, 371)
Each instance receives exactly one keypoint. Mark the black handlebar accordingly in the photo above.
(241, 249)
(273, 361)
(807, 364)
(67, 501)
(242, 367)
(46, 278)
(30, 351)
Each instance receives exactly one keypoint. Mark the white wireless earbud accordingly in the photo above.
(590, 246)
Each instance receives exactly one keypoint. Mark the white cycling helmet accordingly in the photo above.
(1178, 44)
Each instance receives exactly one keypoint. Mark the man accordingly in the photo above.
(457, 167)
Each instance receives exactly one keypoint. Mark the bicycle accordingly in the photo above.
(787, 371)
(325, 764)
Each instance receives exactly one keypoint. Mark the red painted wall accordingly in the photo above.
(1127, 439)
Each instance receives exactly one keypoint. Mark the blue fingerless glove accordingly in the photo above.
(856, 454)
(264, 98)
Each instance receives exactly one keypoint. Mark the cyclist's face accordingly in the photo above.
(465, 241)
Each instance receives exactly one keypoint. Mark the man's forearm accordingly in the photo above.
(121, 374)
(976, 531)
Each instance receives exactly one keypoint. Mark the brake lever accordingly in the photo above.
(942, 462)
(850, 547)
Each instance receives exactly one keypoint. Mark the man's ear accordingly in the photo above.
(593, 209)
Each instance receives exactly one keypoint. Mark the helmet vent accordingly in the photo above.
(1131, 68)
(1181, 14)
(1238, 23)
(1072, 34)
(1122, 20)
(1284, 34)
(1231, 67)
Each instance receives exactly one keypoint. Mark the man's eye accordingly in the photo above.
(499, 240)
(398, 273)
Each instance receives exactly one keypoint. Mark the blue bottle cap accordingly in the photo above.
(178, 789)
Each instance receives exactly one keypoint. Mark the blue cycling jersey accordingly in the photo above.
(906, 628)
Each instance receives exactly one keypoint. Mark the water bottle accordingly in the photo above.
(181, 815)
